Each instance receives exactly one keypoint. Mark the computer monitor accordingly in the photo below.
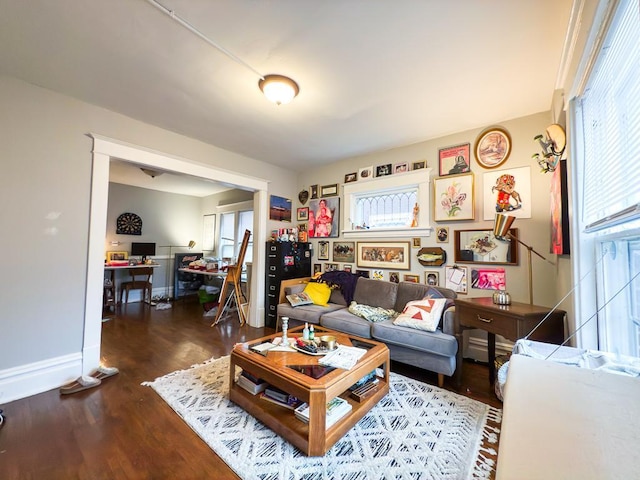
(143, 249)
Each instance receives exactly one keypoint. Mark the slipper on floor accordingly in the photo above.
(103, 372)
(81, 383)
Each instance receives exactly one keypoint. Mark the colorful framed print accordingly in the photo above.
(394, 277)
(117, 256)
(302, 214)
(492, 147)
(344, 252)
(401, 167)
(488, 278)
(454, 160)
(394, 255)
(279, 209)
(324, 217)
(453, 198)
(412, 278)
(507, 191)
(351, 177)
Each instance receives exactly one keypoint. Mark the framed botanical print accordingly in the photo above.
(453, 198)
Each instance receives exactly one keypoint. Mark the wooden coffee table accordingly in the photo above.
(276, 368)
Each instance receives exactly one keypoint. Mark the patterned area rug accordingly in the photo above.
(417, 431)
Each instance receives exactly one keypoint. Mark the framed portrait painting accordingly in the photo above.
(324, 217)
(453, 198)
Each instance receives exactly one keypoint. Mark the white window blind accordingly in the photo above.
(610, 112)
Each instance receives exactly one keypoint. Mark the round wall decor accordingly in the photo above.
(129, 224)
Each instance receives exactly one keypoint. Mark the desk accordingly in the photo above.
(110, 291)
(212, 273)
(513, 322)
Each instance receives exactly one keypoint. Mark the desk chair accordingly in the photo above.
(232, 286)
(140, 280)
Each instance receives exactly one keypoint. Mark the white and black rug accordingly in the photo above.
(417, 431)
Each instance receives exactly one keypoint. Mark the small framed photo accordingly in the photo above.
(351, 177)
(313, 191)
(317, 268)
(323, 250)
(347, 267)
(416, 242)
(453, 160)
(303, 214)
(431, 277)
(442, 235)
(365, 173)
(394, 277)
(363, 273)
(383, 170)
(418, 165)
(330, 267)
(412, 278)
(111, 256)
(377, 274)
(401, 167)
(329, 190)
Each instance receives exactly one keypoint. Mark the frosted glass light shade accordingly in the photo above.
(278, 88)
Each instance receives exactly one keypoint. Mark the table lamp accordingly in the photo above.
(501, 227)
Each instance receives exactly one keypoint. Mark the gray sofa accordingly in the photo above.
(433, 351)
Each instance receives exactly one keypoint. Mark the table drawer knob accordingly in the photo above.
(485, 320)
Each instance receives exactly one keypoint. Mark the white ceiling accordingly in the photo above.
(373, 74)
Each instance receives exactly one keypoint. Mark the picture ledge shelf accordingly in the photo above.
(388, 232)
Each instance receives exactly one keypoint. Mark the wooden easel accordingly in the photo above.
(232, 286)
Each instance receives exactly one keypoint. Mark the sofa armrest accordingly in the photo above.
(448, 321)
(288, 283)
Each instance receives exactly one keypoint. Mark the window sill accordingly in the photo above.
(388, 232)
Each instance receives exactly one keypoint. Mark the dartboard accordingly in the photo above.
(129, 224)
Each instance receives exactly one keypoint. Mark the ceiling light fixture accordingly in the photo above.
(151, 173)
(277, 88)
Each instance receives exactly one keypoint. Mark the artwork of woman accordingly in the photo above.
(323, 220)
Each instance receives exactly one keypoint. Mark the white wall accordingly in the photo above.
(45, 191)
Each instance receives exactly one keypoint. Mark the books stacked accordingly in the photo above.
(336, 409)
(251, 383)
(277, 396)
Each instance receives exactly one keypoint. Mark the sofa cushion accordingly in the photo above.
(432, 342)
(422, 314)
(409, 291)
(344, 321)
(377, 293)
(307, 313)
(318, 292)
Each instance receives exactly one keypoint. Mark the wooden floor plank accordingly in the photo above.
(122, 430)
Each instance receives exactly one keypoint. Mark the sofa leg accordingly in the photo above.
(440, 380)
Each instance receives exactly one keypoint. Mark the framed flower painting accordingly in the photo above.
(453, 198)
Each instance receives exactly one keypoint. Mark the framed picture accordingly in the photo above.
(329, 190)
(481, 246)
(344, 252)
(365, 173)
(454, 160)
(393, 255)
(324, 218)
(453, 198)
(401, 167)
(492, 147)
(488, 278)
(431, 277)
(347, 267)
(323, 250)
(208, 232)
(330, 267)
(383, 170)
(442, 235)
(394, 277)
(363, 273)
(412, 278)
(302, 214)
(418, 165)
(279, 209)
(351, 177)
(377, 274)
(416, 242)
(507, 191)
(313, 191)
(111, 256)
(317, 268)
(559, 211)
(455, 278)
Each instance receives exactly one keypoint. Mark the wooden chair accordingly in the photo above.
(140, 280)
(232, 286)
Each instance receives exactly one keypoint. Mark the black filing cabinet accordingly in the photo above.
(285, 260)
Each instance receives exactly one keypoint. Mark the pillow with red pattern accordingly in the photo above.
(422, 314)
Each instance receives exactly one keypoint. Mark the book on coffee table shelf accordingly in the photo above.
(251, 384)
(277, 396)
(336, 409)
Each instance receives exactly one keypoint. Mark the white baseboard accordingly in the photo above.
(38, 377)
(477, 349)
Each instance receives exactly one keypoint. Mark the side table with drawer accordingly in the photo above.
(513, 322)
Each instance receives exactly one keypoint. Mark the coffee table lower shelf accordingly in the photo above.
(284, 422)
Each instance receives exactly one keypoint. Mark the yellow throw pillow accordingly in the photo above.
(318, 292)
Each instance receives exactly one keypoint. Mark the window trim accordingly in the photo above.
(419, 179)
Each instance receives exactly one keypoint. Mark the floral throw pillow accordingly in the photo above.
(422, 314)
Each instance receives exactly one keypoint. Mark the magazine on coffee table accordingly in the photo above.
(343, 357)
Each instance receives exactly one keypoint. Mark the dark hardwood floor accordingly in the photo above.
(122, 430)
